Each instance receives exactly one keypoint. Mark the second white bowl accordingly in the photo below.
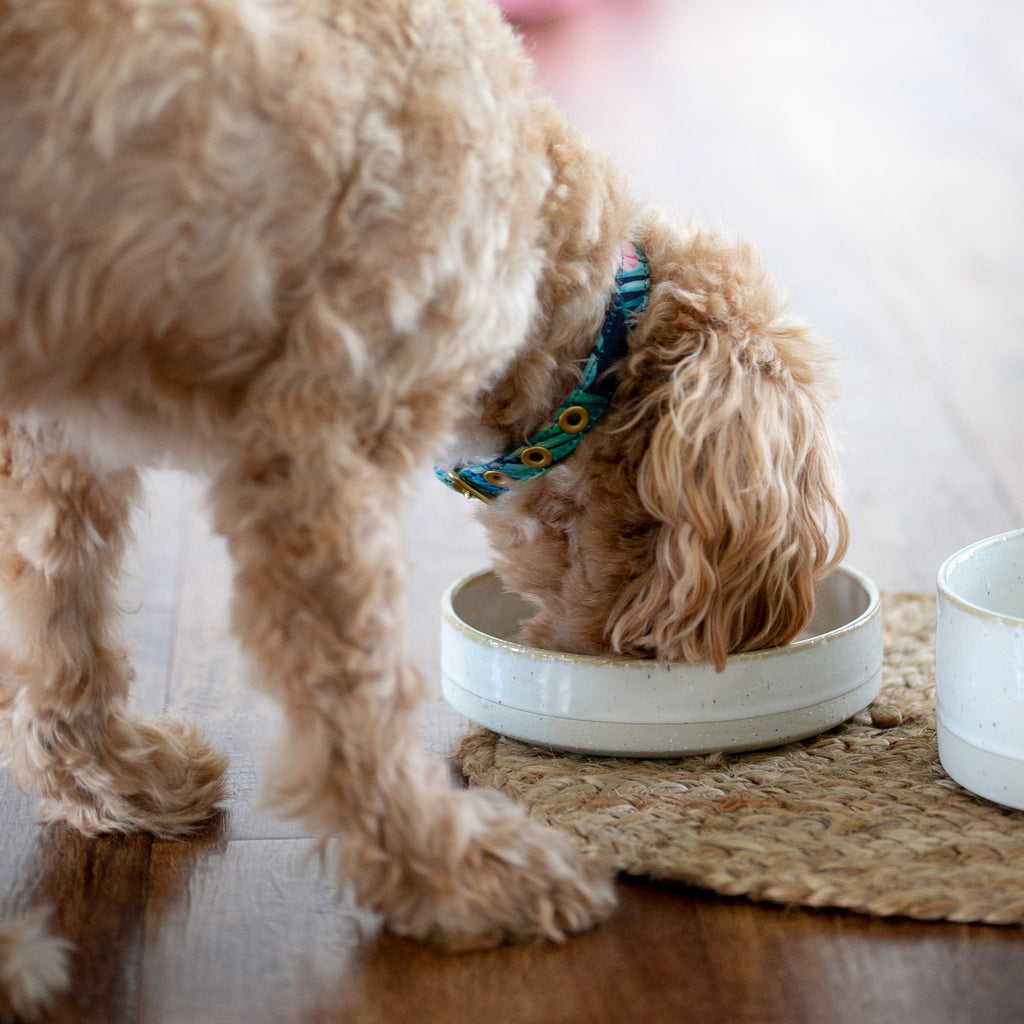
(979, 668)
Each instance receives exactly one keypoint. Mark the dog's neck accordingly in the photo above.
(582, 405)
(589, 210)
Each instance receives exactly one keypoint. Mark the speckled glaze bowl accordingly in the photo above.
(638, 708)
(979, 668)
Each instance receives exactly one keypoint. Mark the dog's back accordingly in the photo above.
(189, 189)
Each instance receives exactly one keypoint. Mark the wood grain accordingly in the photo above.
(875, 151)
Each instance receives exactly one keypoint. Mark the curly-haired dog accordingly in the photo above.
(298, 246)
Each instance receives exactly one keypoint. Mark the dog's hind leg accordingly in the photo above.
(33, 966)
(64, 675)
(319, 604)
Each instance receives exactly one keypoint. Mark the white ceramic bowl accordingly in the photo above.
(638, 708)
(979, 668)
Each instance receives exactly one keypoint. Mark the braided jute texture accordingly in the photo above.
(862, 817)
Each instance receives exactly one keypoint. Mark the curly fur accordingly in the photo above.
(702, 511)
(297, 246)
(33, 966)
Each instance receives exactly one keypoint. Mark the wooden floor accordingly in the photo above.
(876, 152)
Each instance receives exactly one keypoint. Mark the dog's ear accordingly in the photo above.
(739, 473)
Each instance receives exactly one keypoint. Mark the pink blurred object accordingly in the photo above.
(534, 10)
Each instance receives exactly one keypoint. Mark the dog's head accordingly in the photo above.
(700, 514)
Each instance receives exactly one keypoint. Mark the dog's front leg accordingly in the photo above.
(64, 677)
(319, 596)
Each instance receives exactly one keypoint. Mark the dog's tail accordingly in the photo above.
(33, 965)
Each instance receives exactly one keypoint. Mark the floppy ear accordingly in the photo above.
(739, 473)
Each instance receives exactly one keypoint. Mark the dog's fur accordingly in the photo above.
(298, 245)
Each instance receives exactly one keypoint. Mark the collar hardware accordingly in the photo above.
(460, 486)
(574, 419)
(537, 457)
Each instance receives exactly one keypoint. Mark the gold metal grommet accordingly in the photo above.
(497, 478)
(536, 457)
(574, 419)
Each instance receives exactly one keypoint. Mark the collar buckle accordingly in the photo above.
(467, 490)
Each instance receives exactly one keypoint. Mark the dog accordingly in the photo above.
(303, 247)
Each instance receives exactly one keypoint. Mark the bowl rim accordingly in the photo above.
(487, 639)
(945, 587)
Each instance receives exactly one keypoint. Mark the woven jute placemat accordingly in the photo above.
(862, 817)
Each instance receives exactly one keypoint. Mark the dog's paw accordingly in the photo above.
(33, 966)
(147, 775)
(504, 878)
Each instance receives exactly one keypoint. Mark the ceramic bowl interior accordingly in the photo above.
(987, 578)
(979, 668)
(635, 707)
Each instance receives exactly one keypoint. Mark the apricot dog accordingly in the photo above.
(302, 247)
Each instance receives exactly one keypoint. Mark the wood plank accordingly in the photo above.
(245, 932)
(269, 947)
(821, 967)
(99, 890)
(151, 588)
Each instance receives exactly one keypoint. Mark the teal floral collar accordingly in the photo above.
(582, 406)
